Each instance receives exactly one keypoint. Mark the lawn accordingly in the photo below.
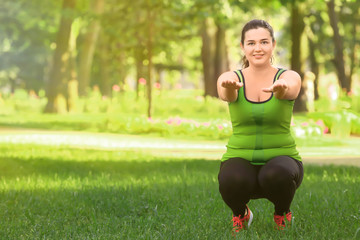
(54, 192)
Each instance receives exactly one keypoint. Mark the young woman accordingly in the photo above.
(261, 160)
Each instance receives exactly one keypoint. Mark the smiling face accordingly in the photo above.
(258, 46)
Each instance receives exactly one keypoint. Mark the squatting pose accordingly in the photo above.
(261, 160)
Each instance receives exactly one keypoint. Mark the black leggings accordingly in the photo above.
(277, 180)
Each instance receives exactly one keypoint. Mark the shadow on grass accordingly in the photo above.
(16, 167)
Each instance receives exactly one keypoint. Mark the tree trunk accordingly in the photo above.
(207, 57)
(140, 68)
(105, 85)
(122, 69)
(221, 62)
(297, 28)
(88, 49)
(338, 60)
(314, 67)
(139, 53)
(12, 85)
(72, 91)
(57, 85)
(353, 51)
(149, 48)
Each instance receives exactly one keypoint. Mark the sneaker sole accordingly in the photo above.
(250, 219)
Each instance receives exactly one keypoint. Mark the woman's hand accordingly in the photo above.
(287, 86)
(231, 84)
(228, 85)
(279, 88)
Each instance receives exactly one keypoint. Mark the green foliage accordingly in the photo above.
(178, 113)
(25, 41)
(341, 123)
(21, 102)
(64, 193)
(306, 128)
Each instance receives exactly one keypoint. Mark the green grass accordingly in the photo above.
(63, 193)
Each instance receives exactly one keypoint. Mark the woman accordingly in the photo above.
(261, 160)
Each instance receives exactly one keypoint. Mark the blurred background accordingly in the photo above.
(150, 66)
(110, 121)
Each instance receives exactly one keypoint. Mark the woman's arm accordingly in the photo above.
(227, 86)
(287, 86)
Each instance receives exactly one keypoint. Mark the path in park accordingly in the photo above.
(347, 154)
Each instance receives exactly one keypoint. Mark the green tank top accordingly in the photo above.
(261, 130)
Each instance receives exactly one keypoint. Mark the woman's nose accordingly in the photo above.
(257, 47)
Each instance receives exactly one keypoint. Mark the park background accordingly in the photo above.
(110, 125)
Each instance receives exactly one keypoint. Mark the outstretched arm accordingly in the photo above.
(227, 86)
(287, 86)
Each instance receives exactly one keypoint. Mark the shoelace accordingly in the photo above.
(238, 223)
(279, 220)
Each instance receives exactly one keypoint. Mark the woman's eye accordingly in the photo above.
(265, 42)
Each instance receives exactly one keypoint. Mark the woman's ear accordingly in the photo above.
(242, 46)
(274, 43)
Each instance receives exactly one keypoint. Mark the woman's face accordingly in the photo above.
(258, 46)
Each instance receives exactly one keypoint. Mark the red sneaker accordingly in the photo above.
(242, 223)
(283, 220)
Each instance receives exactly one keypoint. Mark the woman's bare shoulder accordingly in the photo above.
(229, 75)
(290, 74)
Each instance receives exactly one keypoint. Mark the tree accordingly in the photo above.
(104, 70)
(26, 34)
(150, 13)
(349, 16)
(221, 59)
(313, 34)
(297, 28)
(213, 32)
(338, 60)
(214, 55)
(144, 29)
(72, 76)
(57, 86)
(207, 58)
(89, 44)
